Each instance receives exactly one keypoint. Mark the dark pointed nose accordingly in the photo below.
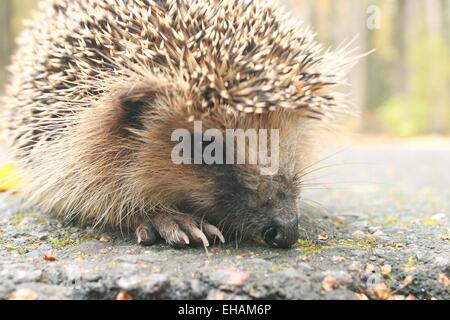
(282, 233)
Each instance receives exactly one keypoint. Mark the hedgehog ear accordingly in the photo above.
(132, 111)
(136, 103)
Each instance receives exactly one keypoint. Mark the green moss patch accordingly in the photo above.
(310, 247)
(430, 221)
(314, 247)
(18, 219)
(279, 267)
(10, 247)
(411, 263)
(64, 241)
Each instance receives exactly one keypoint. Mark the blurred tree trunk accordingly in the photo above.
(434, 15)
(447, 20)
(435, 21)
(401, 28)
(356, 17)
(6, 12)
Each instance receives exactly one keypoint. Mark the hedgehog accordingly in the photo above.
(97, 89)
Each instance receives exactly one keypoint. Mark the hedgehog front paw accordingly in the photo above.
(177, 230)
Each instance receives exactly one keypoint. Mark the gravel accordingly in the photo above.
(381, 204)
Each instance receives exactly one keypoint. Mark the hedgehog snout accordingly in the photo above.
(281, 233)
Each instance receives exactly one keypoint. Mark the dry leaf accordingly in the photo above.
(304, 258)
(23, 294)
(370, 268)
(444, 280)
(339, 259)
(355, 266)
(445, 237)
(382, 292)
(220, 295)
(361, 296)
(237, 278)
(397, 297)
(323, 236)
(244, 255)
(408, 280)
(386, 269)
(215, 250)
(123, 296)
(49, 257)
(329, 284)
(104, 239)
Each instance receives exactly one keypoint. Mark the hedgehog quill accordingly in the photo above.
(97, 89)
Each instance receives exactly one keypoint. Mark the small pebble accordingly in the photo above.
(104, 238)
(370, 268)
(359, 234)
(306, 266)
(375, 229)
(386, 269)
(378, 233)
(123, 296)
(355, 266)
(24, 294)
(374, 280)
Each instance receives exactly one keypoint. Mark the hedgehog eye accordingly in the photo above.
(281, 195)
(266, 204)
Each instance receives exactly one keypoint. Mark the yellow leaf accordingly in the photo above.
(9, 177)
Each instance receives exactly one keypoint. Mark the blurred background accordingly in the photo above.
(403, 87)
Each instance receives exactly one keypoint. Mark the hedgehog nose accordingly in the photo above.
(282, 233)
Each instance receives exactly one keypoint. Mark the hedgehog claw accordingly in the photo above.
(213, 232)
(177, 230)
(184, 237)
(189, 225)
(200, 237)
(146, 235)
